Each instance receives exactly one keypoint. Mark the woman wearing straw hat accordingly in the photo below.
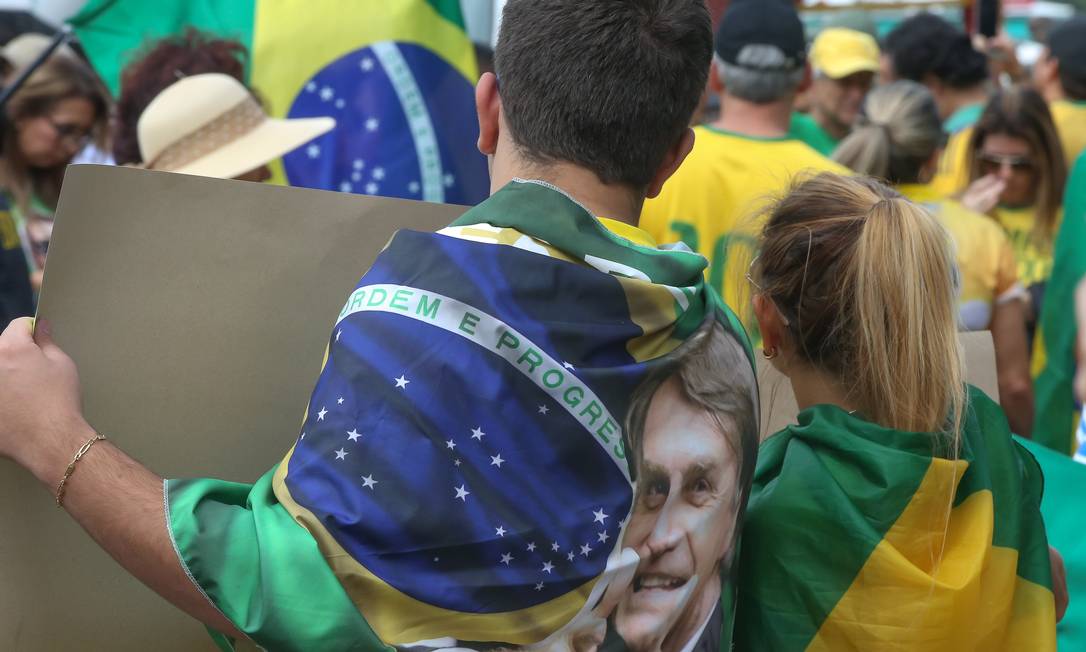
(211, 125)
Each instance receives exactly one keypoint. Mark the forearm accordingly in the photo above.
(1012, 366)
(119, 502)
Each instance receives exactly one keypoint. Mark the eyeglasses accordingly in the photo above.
(990, 163)
(73, 135)
(750, 279)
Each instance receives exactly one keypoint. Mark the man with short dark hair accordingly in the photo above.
(743, 158)
(461, 476)
(1060, 75)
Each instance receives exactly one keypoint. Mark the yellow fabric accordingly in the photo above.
(839, 52)
(1070, 119)
(713, 201)
(628, 231)
(986, 261)
(952, 175)
(921, 590)
(1034, 254)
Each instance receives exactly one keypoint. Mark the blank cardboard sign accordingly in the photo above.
(198, 311)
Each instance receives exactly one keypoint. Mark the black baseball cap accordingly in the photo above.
(1067, 44)
(762, 22)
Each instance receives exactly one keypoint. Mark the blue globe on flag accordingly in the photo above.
(405, 127)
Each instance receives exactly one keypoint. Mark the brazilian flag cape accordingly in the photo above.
(396, 75)
(1056, 415)
(860, 537)
(462, 473)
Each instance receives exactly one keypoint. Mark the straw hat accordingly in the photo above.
(211, 126)
(21, 51)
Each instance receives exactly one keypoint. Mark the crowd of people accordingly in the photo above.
(648, 246)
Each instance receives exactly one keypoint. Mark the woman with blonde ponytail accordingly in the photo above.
(900, 141)
(898, 514)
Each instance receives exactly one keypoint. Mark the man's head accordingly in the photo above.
(693, 431)
(844, 63)
(761, 52)
(1061, 71)
(608, 86)
(929, 50)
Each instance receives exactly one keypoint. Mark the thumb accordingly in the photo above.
(19, 330)
(43, 337)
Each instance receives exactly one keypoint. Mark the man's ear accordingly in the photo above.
(805, 82)
(488, 104)
(716, 84)
(676, 154)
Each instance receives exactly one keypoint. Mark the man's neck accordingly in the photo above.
(958, 100)
(829, 124)
(749, 119)
(612, 201)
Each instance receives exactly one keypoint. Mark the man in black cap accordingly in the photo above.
(1060, 75)
(746, 154)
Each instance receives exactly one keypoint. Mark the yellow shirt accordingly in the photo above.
(952, 175)
(1034, 254)
(1070, 119)
(986, 262)
(713, 202)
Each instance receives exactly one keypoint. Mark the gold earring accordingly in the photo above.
(769, 353)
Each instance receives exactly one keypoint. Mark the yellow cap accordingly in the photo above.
(839, 52)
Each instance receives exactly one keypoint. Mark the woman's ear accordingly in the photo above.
(770, 323)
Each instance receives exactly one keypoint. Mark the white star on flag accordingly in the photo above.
(496, 460)
(327, 93)
(547, 567)
(358, 164)
(570, 556)
(341, 454)
(603, 537)
(500, 531)
(477, 433)
(320, 415)
(345, 186)
(506, 558)
(402, 381)
(353, 434)
(555, 546)
(539, 587)
(340, 103)
(568, 366)
(531, 546)
(372, 188)
(339, 401)
(413, 187)
(313, 151)
(600, 516)
(366, 64)
(585, 549)
(450, 444)
(379, 173)
(462, 493)
(372, 124)
(311, 86)
(543, 409)
(456, 462)
(368, 482)
(449, 180)
(356, 176)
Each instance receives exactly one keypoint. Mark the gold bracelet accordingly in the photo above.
(71, 467)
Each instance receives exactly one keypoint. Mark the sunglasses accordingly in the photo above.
(990, 163)
(71, 134)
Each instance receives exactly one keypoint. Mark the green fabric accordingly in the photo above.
(826, 492)
(448, 9)
(113, 31)
(1054, 423)
(214, 524)
(1062, 511)
(805, 128)
(963, 118)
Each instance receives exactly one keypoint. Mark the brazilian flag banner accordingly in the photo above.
(859, 537)
(397, 76)
(528, 431)
(1054, 351)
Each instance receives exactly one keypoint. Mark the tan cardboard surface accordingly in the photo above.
(198, 311)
